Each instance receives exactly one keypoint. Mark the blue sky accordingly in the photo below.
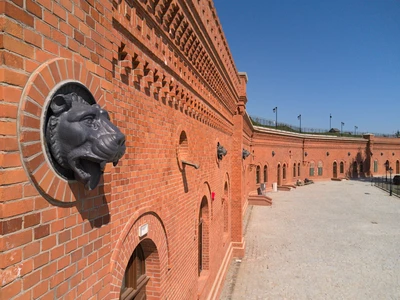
(316, 58)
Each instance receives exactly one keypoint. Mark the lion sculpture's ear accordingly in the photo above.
(60, 103)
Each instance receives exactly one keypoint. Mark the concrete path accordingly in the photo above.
(328, 240)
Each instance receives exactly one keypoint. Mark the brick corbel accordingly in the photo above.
(138, 68)
(148, 77)
(158, 76)
(126, 63)
(164, 91)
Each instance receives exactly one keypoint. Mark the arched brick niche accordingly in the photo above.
(226, 202)
(35, 98)
(127, 242)
(203, 221)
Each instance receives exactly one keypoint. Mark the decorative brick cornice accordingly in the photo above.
(186, 56)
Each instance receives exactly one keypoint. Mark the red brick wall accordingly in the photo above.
(160, 69)
(157, 79)
(289, 148)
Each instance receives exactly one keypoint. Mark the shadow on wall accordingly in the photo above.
(360, 166)
(91, 205)
(184, 179)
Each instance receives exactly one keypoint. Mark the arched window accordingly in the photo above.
(298, 169)
(320, 168)
(294, 170)
(278, 175)
(203, 238)
(335, 169)
(265, 173)
(341, 167)
(183, 148)
(135, 279)
(258, 174)
(312, 166)
(284, 172)
(375, 166)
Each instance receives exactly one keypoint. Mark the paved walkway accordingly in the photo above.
(328, 240)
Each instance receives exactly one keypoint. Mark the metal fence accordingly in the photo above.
(387, 185)
(258, 121)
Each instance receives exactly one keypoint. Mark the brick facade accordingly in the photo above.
(165, 74)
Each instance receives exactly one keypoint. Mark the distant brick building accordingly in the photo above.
(166, 221)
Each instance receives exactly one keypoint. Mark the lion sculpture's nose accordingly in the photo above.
(120, 140)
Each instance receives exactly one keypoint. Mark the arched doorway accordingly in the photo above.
(143, 261)
(294, 170)
(154, 245)
(335, 169)
(279, 175)
(298, 169)
(284, 172)
(265, 174)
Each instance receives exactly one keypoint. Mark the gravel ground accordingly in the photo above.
(329, 240)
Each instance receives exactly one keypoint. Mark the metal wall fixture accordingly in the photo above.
(251, 166)
(221, 151)
(327, 153)
(305, 153)
(80, 136)
(273, 153)
(196, 166)
(245, 153)
(390, 181)
(348, 153)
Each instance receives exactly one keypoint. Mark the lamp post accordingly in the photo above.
(386, 168)
(390, 189)
(330, 121)
(299, 117)
(355, 130)
(275, 110)
(341, 128)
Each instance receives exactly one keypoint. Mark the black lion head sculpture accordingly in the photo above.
(221, 151)
(81, 138)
